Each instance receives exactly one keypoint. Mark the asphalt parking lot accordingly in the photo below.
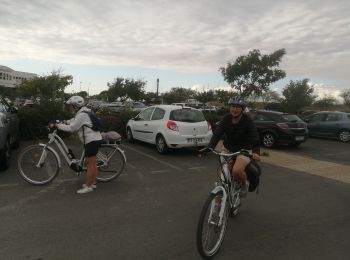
(151, 211)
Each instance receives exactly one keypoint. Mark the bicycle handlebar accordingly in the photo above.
(225, 154)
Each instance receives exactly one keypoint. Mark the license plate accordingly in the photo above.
(299, 138)
(194, 140)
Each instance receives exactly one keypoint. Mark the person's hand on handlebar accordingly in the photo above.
(52, 126)
(256, 156)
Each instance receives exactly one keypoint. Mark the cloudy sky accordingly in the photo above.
(183, 43)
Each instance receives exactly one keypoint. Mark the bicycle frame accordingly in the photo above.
(226, 184)
(55, 138)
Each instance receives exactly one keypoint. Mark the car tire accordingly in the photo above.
(5, 156)
(129, 136)
(161, 145)
(268, 139)
(344, 135)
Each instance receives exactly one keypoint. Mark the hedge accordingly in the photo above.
(34, 120)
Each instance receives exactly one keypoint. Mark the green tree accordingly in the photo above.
(223, 95)
(270, 96)
(46, 87)
(151, 98)
(298, 95)
(205, 96)
(346, 97)
(326, 102)
(254, 72)
(125, 88)
(178, 94)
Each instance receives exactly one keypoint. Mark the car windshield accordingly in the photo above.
(187, 115)
(291, 118)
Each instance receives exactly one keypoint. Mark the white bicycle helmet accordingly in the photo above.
(76, 101)
(238, 101)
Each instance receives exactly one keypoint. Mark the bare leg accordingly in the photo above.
(91, 172)
(238, 171)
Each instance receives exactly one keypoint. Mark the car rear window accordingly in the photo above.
(187, 115)
(291, 118)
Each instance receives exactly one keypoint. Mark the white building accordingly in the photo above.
(10, 78)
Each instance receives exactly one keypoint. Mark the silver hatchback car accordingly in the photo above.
(9, 132)
(329, 124)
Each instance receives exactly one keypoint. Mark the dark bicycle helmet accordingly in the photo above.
(238, 101)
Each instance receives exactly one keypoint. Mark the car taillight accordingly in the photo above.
(283, 126)
(172, 126)
(209, 126)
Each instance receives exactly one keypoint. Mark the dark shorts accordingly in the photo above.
(91, 149)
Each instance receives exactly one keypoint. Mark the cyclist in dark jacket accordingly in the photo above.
(240, 133)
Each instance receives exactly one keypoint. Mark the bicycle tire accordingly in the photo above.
(203, 237)
(110, 163)
(28, 165)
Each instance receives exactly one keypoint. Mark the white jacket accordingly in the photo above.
(81, 123)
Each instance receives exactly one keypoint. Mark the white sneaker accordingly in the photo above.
(94, 186)
(85, 190)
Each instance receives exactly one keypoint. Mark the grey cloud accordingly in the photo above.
(181, 35)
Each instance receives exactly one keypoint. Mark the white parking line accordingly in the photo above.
(197, 168)
(153, 158)
(9, 185)
(159, 171)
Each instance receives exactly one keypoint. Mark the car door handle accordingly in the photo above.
(145, 124)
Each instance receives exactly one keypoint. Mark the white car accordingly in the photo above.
(169, 126)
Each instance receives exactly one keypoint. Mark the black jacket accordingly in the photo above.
(242, 135)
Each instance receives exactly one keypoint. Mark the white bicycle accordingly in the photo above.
(223, 201)
(39, 164)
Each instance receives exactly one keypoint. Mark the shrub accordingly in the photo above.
(212, 118)
(34, 120)
(116, 121)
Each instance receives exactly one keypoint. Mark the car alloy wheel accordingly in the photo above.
(269, 140)
(161, 145)
(344, 135)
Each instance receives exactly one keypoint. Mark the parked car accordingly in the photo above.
(329, 124)
(28, 103)
(135, 105)
(169, 126)
(279, 128)
(9, 132)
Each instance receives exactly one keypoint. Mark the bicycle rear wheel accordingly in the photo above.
(209, 233)
(110, 163)
(37, 165)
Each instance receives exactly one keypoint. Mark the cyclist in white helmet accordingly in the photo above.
(91, 139)
(240, 133)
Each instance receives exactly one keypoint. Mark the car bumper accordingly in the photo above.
(292, 139)
(174, 140)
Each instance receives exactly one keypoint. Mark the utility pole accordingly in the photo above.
(157, 86)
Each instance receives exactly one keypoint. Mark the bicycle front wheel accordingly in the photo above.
(210, 232)
(37, 165)
(110, 163)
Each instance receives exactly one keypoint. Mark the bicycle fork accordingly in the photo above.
(218, 188)
(42, 159)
